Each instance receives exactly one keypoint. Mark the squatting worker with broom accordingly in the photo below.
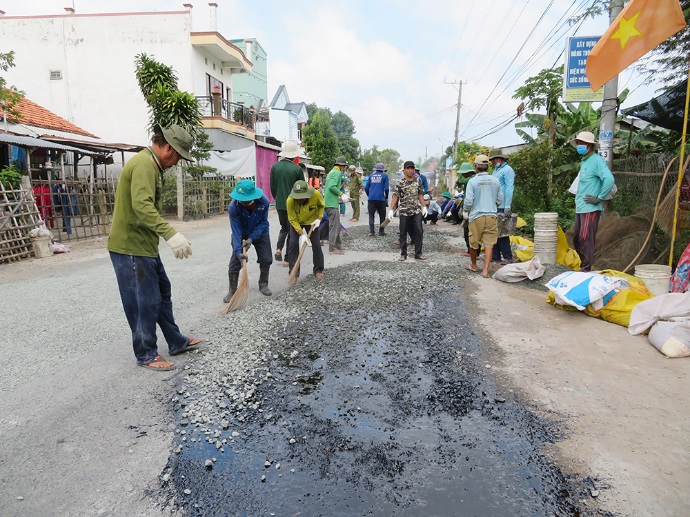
(409, 193)
(284, 173)
(332, 197)
(248, 213)
(137, 225)
(305, 207)
(595, 183)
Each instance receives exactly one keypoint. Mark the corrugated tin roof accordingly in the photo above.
(29, 141)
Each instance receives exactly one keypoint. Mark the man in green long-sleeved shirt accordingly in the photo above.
(332, 196)
(284, 174)
(137, 226)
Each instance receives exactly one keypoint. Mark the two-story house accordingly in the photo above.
(83, 66)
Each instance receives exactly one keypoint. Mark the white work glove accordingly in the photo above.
(344, 198)
(390, 215)
(466, 215)
(302, 239)
(507, 213)
(316, 223)
(424, 211)
(181, 247)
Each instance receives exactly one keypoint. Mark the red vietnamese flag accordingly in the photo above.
(640, 27)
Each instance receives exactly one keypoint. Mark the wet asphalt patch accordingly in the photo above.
(373, 398)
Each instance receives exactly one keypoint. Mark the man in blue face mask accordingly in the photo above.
(595, 183)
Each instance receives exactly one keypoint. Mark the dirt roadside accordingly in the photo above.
(624, 405)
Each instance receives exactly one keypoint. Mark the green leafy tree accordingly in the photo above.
(391, 159)
(9, 95)
(543, 91)
(319, 139)
(167, 104)
(369, 158)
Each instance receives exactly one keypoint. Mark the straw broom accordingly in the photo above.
(239, 299)
(292, 279)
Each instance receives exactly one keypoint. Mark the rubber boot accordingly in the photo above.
(233, 278)
(263, 283)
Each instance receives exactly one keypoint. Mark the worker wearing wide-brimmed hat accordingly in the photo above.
(136, 229)
(284, 173)
(377, 197)
(248, 213)
(594, 184)
(333, 197)
(305, 207)
(505, 175)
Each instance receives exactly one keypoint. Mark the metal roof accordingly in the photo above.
(29, 141)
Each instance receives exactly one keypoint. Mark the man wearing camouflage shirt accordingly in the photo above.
(409, 193)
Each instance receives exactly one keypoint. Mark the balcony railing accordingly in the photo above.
(227, 110)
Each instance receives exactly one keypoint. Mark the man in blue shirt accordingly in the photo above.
(505, 175)
(482, 195)
(248, 212)
(594, 184)
(377, 197)
(425, 181)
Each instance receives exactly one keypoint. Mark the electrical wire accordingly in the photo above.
(534, 28)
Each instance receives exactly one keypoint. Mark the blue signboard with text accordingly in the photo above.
(576, 86)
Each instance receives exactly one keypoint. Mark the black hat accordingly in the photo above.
(408, 164)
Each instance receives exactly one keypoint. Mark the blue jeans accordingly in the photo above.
(146, 293)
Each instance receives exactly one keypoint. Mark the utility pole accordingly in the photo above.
(610, 105)
(451, 175)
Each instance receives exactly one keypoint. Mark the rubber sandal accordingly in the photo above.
(402, 258)
(192, 345)
(157, 360)
(468, 268)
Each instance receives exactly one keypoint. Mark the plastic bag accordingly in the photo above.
(671, 338)
(523, 249)
(39, 232)
(664, 307)
(515, 272)
(565, 255)
(59, 248)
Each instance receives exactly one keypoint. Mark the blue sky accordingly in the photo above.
(385, 63)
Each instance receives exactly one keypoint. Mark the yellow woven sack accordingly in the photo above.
(566, 256)
(522, 248)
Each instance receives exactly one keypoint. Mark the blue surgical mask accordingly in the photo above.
(581, 149)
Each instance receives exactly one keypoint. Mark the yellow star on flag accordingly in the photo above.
(627, 30)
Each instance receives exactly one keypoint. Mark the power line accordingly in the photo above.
(514, 58)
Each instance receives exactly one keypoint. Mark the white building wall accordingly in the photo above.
(99, 91)
(280, 125)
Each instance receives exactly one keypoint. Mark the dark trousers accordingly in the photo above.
(293, 248)
(146, 296)
(411, 224)
(374, 207)
(466, 234)
(584, 237)
(284, 228)
(264, 254)
(502, 247)
(431, 216)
